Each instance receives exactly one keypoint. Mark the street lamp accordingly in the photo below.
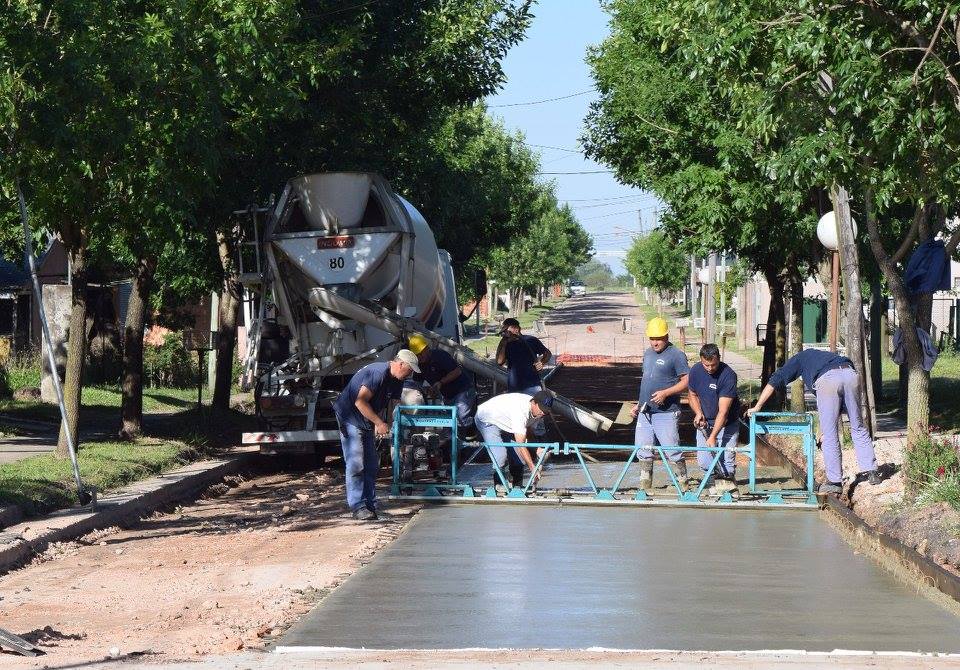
(828, 233)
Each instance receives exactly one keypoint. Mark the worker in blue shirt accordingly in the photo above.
(524, 356)
(716, 410)
(446, 379)
(836, 384)
(358, 410)
(665, 370)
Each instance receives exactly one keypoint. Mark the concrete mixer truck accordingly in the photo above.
(344, 271)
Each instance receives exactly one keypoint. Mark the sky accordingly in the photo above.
(550, 63)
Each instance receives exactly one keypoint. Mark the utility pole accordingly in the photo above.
(693, 287)
(710, 308)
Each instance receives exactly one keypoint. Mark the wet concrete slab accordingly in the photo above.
(568, 475)
(555, 577)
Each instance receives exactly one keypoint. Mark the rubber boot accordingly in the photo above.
(680, 472)
(646, 474)
(516, 475)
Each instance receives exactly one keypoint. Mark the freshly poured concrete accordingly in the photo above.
(555, 577)
(568, 475)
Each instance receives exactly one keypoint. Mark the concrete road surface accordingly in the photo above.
(530, 577)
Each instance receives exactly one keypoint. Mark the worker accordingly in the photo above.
(836, 384)
(447, 380)
(716, 412)
(664, 378)
(358, 410)
(512, 413)
(524, 356)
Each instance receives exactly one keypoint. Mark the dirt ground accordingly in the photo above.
(228, 572)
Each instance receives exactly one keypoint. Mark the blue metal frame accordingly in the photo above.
(443, 416)
(682, 495)
(784, 423)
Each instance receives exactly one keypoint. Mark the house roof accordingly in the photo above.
(11, 274)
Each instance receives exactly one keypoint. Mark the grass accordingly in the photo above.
(99, 401)
(488, 344)
(944, 391)
(42, 483)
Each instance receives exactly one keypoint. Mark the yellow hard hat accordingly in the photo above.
(657, 327)
(417, 343)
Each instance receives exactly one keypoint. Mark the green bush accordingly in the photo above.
(946, 489)
(169, 364)
(932, 468)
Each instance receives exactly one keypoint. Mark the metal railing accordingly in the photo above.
(762, 424)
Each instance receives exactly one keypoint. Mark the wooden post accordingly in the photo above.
(834, 316)
(850, 266)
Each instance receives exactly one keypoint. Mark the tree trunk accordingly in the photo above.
(226, 341)
(850, 269)
(918, 380)
(775, 349)
(797, 403)
(76, 348)
(878, 311)
(131, 404)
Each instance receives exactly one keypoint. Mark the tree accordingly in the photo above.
(546, 254)
(67, 91)
(595, 274)
(661, 125)
(374, 79)
(869, 95)
(657, 263)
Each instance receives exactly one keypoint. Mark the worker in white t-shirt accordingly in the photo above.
(514, 414)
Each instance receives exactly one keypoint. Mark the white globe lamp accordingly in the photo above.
(827, 230)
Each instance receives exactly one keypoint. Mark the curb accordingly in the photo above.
(32, 537)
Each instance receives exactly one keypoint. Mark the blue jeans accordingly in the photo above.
(726, 438)
(362, 464)
(660, 430)
(466, 404)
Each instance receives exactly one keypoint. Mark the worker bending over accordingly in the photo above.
(446, 379)
(512, 413)
(716, 411)
(836, 384)
(665, 370)
(358, 410)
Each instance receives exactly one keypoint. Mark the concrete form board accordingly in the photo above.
(551, 577)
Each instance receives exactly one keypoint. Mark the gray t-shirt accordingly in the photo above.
(661, 371)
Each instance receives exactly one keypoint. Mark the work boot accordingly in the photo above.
(722, 485)
(364, 514)
(831, 487)
(646, 474)
(874, 477)
(516, 475)
(680, 472)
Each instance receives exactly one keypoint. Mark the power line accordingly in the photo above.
(339, 11)
(610, 198)
(581, 172)
(609, 204)
(626, 211)
(547, 146)
(540, 102)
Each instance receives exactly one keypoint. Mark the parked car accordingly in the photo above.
(576, 288)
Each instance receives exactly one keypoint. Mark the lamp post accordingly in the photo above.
(829, 236)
